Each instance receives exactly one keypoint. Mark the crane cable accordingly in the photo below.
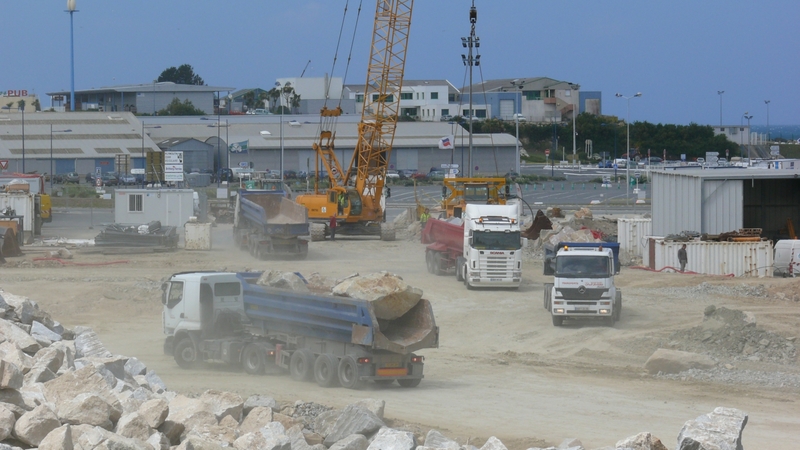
(350, 54)
(336, 52)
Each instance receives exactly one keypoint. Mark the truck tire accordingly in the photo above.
(558, 320)
(548, 293)
(348, 373)
(185, 354)
(387, 231)
(301, 365)
(410, 382)
(466, 282)
(437, 264)
(429, 261)
(459, 268)
(618, 306)
(326, 370)
(252, 360)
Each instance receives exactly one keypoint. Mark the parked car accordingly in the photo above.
(605, 165)
(90, 177)
(407, 173)
(436, 175)
(127, 179)
(71, 177)
(418, 176)
(511, 175)
(446, 118)
(109, 180)
(393, 174)
(289, 175)
(518, 117)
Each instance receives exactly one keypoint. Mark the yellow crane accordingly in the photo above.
(355, 198)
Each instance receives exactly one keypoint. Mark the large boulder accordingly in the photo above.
(260, 400)
(88, 344)
(435, 439)
(391, 439)
(18, 336)
(224, 403)
(374, 405)
(86, 380)
(675, 361)
(86, 408)
(39, 331)
(133, 426)
(12, 353)
(324, 422)
(256, 419)
(154, 411)
(352, 442)
(719, 429)
(58, 439)
(390, 296)
(32, 427)
(353, 420)
(10, 375)
(641, 441)
(7, 420)
(282, 280)
(494, 444)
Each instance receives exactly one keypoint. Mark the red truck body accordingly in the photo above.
(445, 243)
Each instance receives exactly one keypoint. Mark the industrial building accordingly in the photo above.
(722, 200)
(85, 141)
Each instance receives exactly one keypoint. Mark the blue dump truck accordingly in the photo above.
(269, 225)
(228, 318)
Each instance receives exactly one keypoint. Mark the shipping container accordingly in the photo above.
(632, 236)
(741, 259)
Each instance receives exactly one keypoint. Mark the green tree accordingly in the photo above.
(181, 75)
(9, 105)
(37, 105)
(273, 95)
(21, 104)
(295, 102)
(176, 108)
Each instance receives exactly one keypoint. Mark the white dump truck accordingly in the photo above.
(483, 247)
(583, 284)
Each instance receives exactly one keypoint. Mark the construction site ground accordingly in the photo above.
(501, 368)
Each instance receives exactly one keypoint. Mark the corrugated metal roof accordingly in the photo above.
(729, 174)
(164, 86)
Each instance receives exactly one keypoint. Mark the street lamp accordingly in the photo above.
(749, 140)
(51, 152)
(573, 88)
(284, 90)
(470, 60)
(720, 108)
(766, 102)
(628, 151)
(144, 160)
(71, 9)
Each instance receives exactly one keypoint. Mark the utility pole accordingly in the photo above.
(470, 60)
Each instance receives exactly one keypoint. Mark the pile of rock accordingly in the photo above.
(732, 335)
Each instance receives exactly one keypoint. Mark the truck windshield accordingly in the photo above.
(476, 193)
(582, 266)
(495, 240)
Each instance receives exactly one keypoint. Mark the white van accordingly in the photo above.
(787, 257)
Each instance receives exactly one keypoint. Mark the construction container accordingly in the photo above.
(24, 205)
(632, 236)
(741, 259)
(197, 236)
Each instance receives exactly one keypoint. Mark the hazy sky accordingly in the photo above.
(678, 53)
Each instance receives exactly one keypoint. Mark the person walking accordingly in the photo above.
(332, 226)
(682, 258)
(423, 218)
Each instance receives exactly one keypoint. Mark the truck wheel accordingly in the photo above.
(410, 383)
(252, 360)
(609, 321)
(437, 264)
(459, 268)
(428, 262)
(325, 370)
(558, 320)
(301, 365)
(348, 373)
(466, 282)
(548, 293)
(185, 354)
(618, 306)
(387, 231)
(317, 231)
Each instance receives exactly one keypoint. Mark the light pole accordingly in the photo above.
(516, 123)
(766, 102)
(144, 160)
(23, 137)
(284, 90)
(469, 43)
(574, 87)
(720, 108)
(628, 150)
(51, 153)
(749, 140)
(71, 9)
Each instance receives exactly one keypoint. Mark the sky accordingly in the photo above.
(677, 53)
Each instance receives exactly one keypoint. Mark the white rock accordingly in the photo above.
(19, 337)
(493, 444)
(38, 330)
(435, 439)
(34, 425)
(133, 426)
(376, 406)
(353, 420)
(11, 352)
(390, 439)
(154, 412)
(258, 418)
(159, 441)
(87, 380)
(720, 429)
(7, 420)
(641, 441)
(352, 442)
(676, 361)
(259, 400)
(87, 344)
(10, 375)
(58, 439)
(86, 408)
(224, 403)
(390, 296)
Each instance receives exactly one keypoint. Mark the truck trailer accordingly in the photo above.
(483, 248)
(583, 283)
(268, 224)
(228, 318)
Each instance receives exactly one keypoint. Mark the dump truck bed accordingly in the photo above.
(338, 319)
(443, 236)
(273, 214)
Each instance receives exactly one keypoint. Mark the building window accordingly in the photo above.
(480, 113)
(445, 112)
(532, 95)
(406, 96)
(423, 95)
(359, 98)
(135, 203)
(434, 96)
(389, 98)
(451, 98)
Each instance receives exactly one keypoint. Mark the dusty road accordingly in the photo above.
(502, 368)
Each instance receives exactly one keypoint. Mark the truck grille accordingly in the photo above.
(587, 294)
(497, 266)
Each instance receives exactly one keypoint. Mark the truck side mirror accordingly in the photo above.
(388, 192)
(444, 192)
(508, 190)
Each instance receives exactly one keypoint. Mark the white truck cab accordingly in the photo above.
(492, 254)
(583, 285)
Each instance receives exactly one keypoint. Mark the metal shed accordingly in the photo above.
(173, 207)
(716, 201)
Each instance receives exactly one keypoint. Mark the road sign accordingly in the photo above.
(3, 164)
(547, 152)
(98, 181)
(173, 176)
(637, 174)
(244, 164)
(683, 156)
(137, 171)
(173, 168)
(449, 166)
(173, 157)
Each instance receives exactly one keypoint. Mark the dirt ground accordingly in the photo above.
(501, 369)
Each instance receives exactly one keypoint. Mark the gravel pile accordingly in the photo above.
(722, 374)
(308, 410)
(716, 290)
(731, 335)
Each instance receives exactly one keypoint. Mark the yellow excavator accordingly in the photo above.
(356, 198)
